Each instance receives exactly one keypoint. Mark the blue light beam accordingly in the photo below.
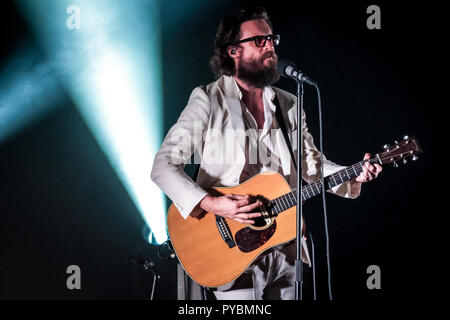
(29, 90)
(110, 65)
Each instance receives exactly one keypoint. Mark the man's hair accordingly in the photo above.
(228, 34)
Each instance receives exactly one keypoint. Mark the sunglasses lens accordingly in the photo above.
(260, 41)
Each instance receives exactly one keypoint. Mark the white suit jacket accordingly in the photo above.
(210, 124)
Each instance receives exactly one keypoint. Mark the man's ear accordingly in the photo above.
(232, 52)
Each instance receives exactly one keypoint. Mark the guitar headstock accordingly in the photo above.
(400, 151)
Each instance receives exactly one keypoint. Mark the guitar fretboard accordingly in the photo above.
(289, 200)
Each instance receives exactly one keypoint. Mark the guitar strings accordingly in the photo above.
(308, 189)
(234, 223)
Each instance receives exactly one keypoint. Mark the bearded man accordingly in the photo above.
(242, 101)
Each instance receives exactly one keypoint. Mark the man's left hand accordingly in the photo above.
(370, 171)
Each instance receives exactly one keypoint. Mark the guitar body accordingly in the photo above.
(202, 251)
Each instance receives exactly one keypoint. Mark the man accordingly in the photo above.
(242, 101)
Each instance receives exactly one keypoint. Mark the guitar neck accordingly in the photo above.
(289, 200)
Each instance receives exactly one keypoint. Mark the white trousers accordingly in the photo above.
(271, 277)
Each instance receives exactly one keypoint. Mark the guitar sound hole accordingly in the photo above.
(260, 222)
(266, 218)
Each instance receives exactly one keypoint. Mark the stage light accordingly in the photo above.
(28, 91)
(107, 55)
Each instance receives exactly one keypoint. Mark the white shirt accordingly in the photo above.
(262, 142)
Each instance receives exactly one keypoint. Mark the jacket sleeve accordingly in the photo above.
(312, 167)
(183, 138)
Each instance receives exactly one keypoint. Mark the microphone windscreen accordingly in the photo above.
(282, 65)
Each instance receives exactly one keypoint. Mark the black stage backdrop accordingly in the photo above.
(61, 202)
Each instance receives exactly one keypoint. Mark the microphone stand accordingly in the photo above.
(147, 264)
(298, 261)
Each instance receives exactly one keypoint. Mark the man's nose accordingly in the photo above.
(269, 46)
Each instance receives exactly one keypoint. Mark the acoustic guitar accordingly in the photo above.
(214, 250)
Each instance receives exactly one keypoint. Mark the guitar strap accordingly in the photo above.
(282, 126)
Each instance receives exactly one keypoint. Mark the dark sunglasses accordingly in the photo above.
(260, 41)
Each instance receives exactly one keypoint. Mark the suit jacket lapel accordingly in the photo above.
(232, 103)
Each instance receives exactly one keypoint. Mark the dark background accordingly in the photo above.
(61, 203)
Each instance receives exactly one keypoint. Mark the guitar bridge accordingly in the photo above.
(225, 232)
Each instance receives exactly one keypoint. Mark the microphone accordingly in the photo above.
(288, 69)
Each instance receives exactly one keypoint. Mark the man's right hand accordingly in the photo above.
(232, 206)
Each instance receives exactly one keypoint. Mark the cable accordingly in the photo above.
(313, 265)
(323, 193)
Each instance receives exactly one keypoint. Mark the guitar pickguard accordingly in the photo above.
(248, 239)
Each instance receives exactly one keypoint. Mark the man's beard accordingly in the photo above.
(255, 74)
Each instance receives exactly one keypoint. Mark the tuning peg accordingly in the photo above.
(405, 137)
(386, 146)
(405, 161)
(395, 165)
(414, 158)
(396, 142)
